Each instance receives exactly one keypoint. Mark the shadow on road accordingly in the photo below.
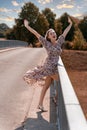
(38, 123)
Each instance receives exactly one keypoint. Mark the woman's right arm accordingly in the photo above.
(31, 29)
(68, 28)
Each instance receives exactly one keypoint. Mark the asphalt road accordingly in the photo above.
(14, 92)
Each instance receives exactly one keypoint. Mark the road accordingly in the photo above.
(14, 92)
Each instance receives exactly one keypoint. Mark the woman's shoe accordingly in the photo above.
(41, 108)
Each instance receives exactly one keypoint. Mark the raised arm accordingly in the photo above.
(68, 28)
(31, 29)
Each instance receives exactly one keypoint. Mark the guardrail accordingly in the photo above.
(70, 114)
(12, 43)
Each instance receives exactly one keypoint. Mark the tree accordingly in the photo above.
(41, 24)
(9, 34)
(30, 12)
(83, 27)
(78, 41)
(64, 21)
(50, 16)
(58, 27)
(36, 20)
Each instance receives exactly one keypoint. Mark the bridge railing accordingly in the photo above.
(70, 114)
(12, 43)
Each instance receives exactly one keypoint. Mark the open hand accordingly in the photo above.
(25, 23)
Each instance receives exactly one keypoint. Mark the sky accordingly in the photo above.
(9, 9)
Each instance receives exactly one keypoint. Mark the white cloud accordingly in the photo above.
(7, 19)
(52, 9)
(79, 7)
(14, 2)
(45, 1)
(17, 10)
(79, 15)
(64, 6)
(5, 10)
(68, 0)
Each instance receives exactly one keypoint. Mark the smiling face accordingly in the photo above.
(51, 35)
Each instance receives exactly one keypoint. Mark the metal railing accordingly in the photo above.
(70, 114)
(12, 43)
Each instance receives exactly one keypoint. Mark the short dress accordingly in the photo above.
(49, 67)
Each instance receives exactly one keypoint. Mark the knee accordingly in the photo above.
(49, 82)
(55, 77)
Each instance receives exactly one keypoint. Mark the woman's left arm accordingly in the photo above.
(68, 28)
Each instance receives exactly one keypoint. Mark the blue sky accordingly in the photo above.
(9, 9)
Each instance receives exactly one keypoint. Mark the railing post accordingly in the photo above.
(70, 114)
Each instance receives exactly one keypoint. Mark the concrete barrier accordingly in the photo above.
(70, 114)
(12, 43)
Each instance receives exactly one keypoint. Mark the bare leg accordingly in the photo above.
(48, 82)
(55, 77)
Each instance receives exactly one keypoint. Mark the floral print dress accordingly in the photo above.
(39, 73)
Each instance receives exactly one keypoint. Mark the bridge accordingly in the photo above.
(12, 43)
(19, 101)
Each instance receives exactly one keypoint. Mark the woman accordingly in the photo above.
(48, 72)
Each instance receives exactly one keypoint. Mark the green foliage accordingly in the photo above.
(83, 27)
(64, 21)
(30, 12)
(10, 34)
(36, 20)
(78, 41)
(58, 27)
(3, 29)
(41, 22)
(50, 16)
(68, 45)
(1, 35)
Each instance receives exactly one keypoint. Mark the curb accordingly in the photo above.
(8, 49)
